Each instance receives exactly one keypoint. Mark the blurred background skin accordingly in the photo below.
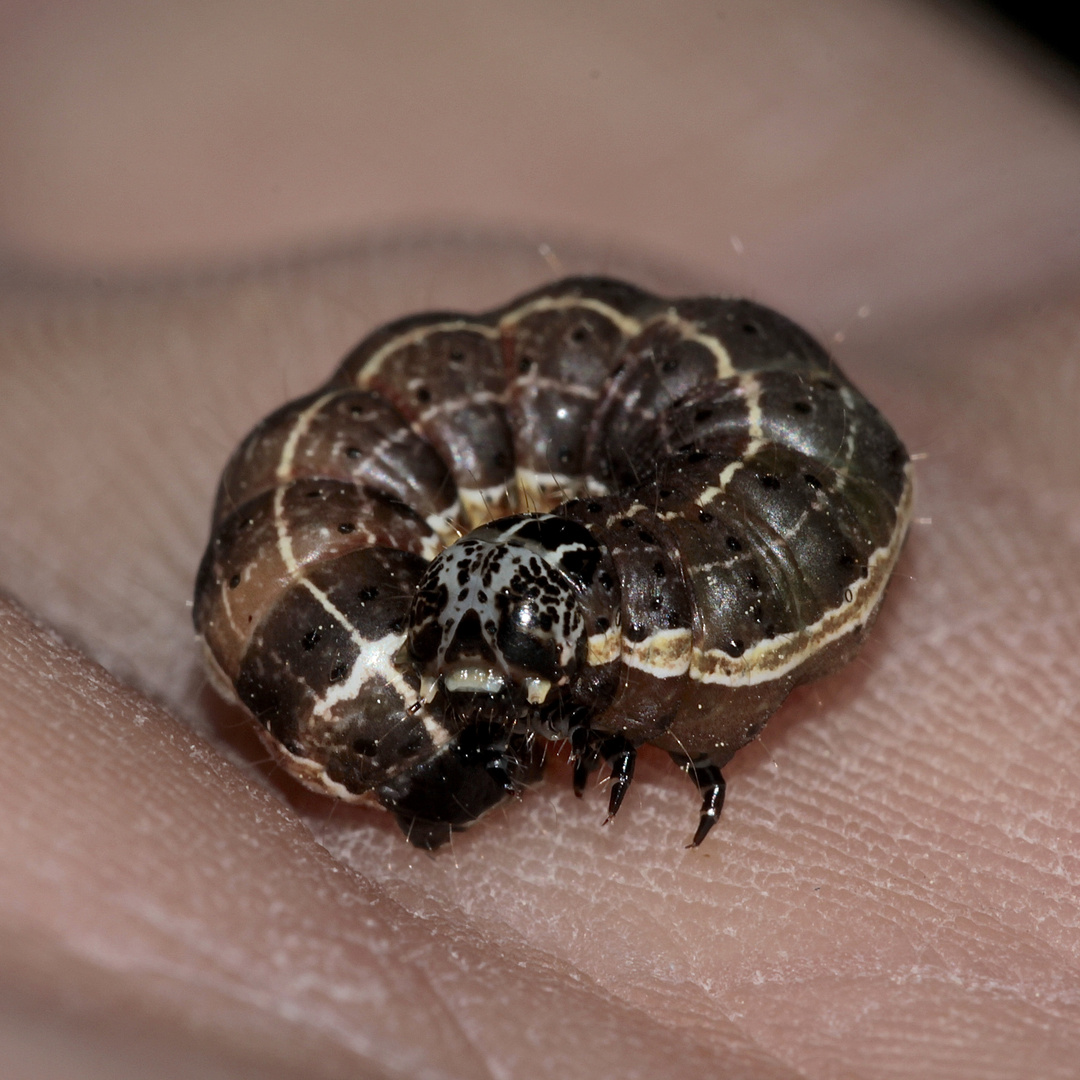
(202, 205)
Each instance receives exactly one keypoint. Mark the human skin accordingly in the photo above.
(892, 889)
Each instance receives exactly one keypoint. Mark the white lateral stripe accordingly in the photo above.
(365, 648)
(532, 381)
(603, 648)
(283, 474)
(760, 664)
(725, 369)
(455, 405)
(445, 525)
(431, 546)
(312, 774)
(663, 654)
(299, 429)
(284, 540)
(485, 504)
(415, 337)
(542, 491)
(751, 388)
(627, 324)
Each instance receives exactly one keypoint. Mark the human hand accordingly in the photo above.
(894, 877)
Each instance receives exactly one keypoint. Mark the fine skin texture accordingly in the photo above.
(893, 885)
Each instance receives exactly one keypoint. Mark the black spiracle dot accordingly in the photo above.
(665, 493)
(563, 456)
(525, 365)
(353, 452)
(734, 647)
(753, 582)
(456, 356)
(423, 395)
(659, 570)
(646, 537)
(702, 415)
(751, 329)
(695, 456)
(846, 560)
(669, 365)
(368, 592)
(812, 481)
(501, 460)
(234, 581)
(803, 407)
(705, 517)
(338, 672)
(733, 543)
(579, 334)
(365, 747)
(346, 527)
(357, 411)
(770, 482)
(311, 639)
(606, 581)
(627, 523)
(602, 624)
(594, 507)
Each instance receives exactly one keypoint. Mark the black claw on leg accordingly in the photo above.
(588, 748)
(712, 787)
(621, 755)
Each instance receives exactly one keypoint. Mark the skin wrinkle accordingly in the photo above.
(892, 885)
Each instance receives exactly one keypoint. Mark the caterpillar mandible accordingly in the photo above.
(592, 515)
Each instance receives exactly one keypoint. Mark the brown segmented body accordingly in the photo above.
(592, 515)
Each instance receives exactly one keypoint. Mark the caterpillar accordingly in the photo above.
(592, 516)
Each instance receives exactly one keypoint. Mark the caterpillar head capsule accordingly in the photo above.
(498, 634)
(496, 623)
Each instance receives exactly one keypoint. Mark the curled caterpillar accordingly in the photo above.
(592, 515)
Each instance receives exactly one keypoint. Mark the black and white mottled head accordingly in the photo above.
(496, 631)
(497, 616)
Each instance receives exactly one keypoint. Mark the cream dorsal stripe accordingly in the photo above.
(592, 515)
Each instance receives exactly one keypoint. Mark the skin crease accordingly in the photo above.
(892, 887)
